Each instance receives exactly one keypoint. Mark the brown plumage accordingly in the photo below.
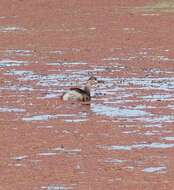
(80, 94)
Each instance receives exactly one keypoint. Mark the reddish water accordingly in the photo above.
(124, 138)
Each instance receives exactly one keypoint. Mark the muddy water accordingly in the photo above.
(124, 138)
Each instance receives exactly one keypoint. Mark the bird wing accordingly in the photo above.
(78, 90)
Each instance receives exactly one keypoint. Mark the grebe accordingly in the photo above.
(80, 94)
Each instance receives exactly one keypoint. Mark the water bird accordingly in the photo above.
(80, 94)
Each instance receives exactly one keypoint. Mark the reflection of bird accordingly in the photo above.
(79, 94)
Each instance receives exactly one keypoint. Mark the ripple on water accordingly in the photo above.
(168, 138)
(165, 83)
(158, 83)
(19, 158)
(131, 114)
(118, 112)
(49, 96)
(23, 75)
(114, 161)
(39, 118)
(158, 119)
(56, 187)
(17, 88)
(11, 63)
(75, 120)
(45, 117)
(155, 145)
(64, 51)
(52, 80)
(67, 63)
(158, 97)
(58, 151)
(18, 52)
(137, 54)
(8, 17)
(12, 29)
(160, 169)
(6, 109)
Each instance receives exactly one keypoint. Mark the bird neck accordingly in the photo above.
(87, 89)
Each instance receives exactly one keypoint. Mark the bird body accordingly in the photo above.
(80, 94)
